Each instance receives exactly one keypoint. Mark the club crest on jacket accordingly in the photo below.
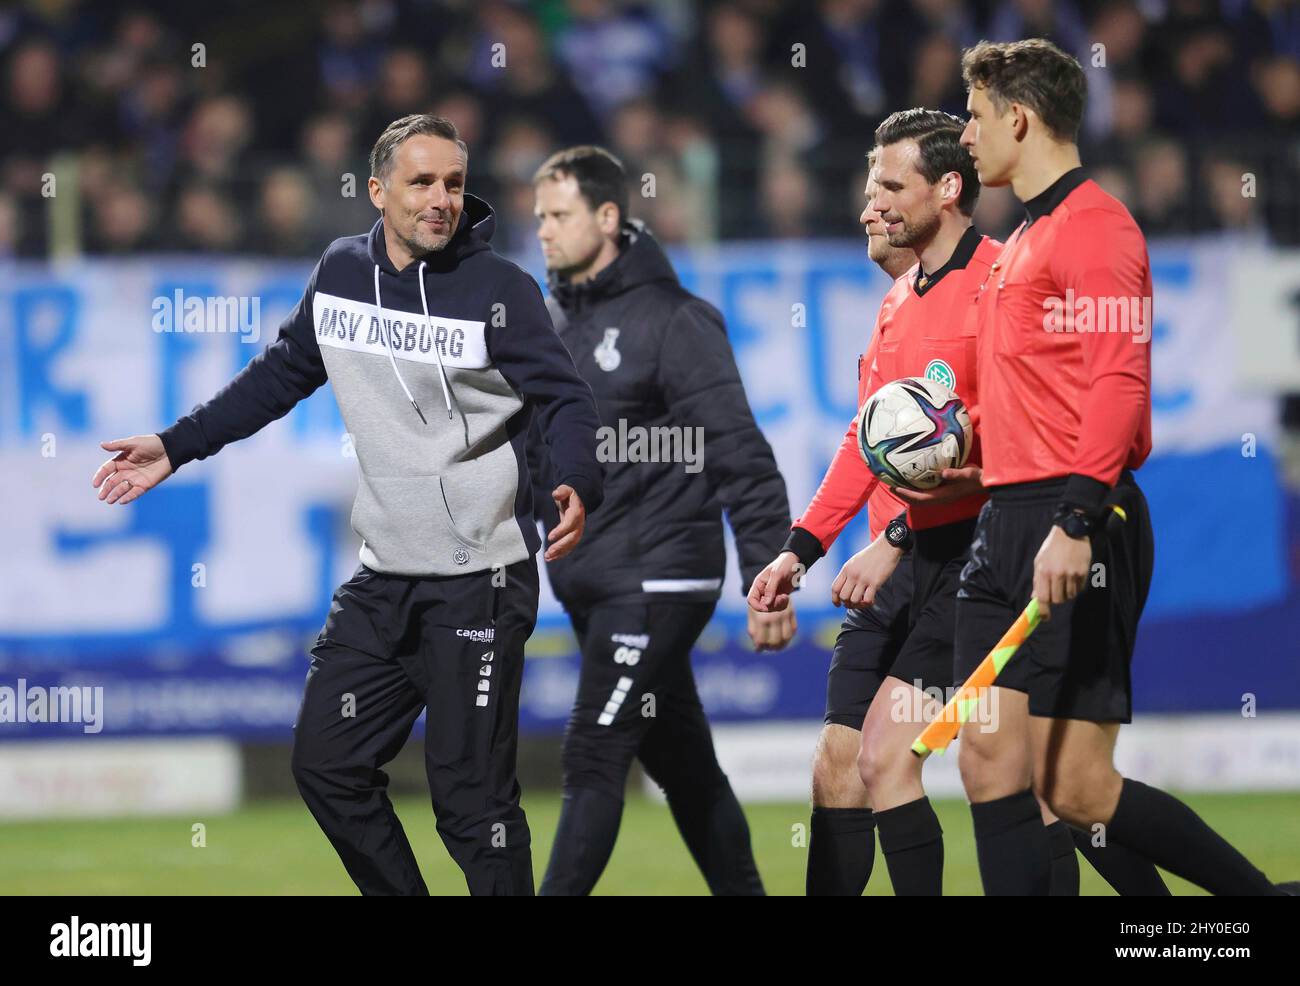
(607, 356)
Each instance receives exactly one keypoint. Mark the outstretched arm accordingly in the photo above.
(274, 380)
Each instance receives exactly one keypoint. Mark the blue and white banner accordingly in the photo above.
(194, 606)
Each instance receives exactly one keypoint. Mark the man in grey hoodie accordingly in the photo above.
(415, 314)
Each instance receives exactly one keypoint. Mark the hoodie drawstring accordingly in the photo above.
(442, 373)
(379, 312)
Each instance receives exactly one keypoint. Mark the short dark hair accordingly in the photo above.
(400, 131)
(601, 176)
(938, 138)
(1034, 72)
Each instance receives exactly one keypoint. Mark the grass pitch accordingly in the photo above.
(276, 848)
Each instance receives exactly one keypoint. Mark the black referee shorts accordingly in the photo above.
(908, 633)
(1076, 665)
(938, 556)
(869, 641)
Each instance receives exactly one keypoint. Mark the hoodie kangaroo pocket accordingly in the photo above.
(404, 516)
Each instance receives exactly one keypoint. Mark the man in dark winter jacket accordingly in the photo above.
(439, 352)
(679, 445)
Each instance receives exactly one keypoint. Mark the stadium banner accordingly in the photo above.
(193, 609)
(67, 779)
(1218, 752)
(1265, 307)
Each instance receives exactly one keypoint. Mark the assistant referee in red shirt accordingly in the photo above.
(1064, 363)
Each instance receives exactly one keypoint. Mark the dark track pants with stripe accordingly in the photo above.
(392, 647)
(637, 700)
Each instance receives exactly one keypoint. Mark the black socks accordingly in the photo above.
(1012, 845)
(1167, 832)
(1128, 874)
(1065, 864)
(912, 842)
(841, 851)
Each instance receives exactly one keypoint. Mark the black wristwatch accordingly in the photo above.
(1074, 522)
(899, 534)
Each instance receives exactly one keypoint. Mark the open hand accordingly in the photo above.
(141, 464)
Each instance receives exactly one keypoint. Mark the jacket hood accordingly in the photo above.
(473, 231)
(641, 260)
(473, 234)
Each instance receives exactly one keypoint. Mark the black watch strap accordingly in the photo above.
(899, 534)
(1076, 523)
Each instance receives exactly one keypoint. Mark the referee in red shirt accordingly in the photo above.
(896, 645)
(1064, 365)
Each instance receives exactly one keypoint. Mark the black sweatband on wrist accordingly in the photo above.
(805, 545)
(1084, 493)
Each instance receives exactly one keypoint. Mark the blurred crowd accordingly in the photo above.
(245, 126)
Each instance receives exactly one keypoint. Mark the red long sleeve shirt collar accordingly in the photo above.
(1064, 345)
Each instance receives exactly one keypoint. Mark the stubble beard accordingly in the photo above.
(922, 231)
(420, 243)
(566, 270)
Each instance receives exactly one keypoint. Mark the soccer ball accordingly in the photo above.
(912, 429)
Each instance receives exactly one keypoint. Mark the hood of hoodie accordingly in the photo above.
(473, 233)
(641, 260)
